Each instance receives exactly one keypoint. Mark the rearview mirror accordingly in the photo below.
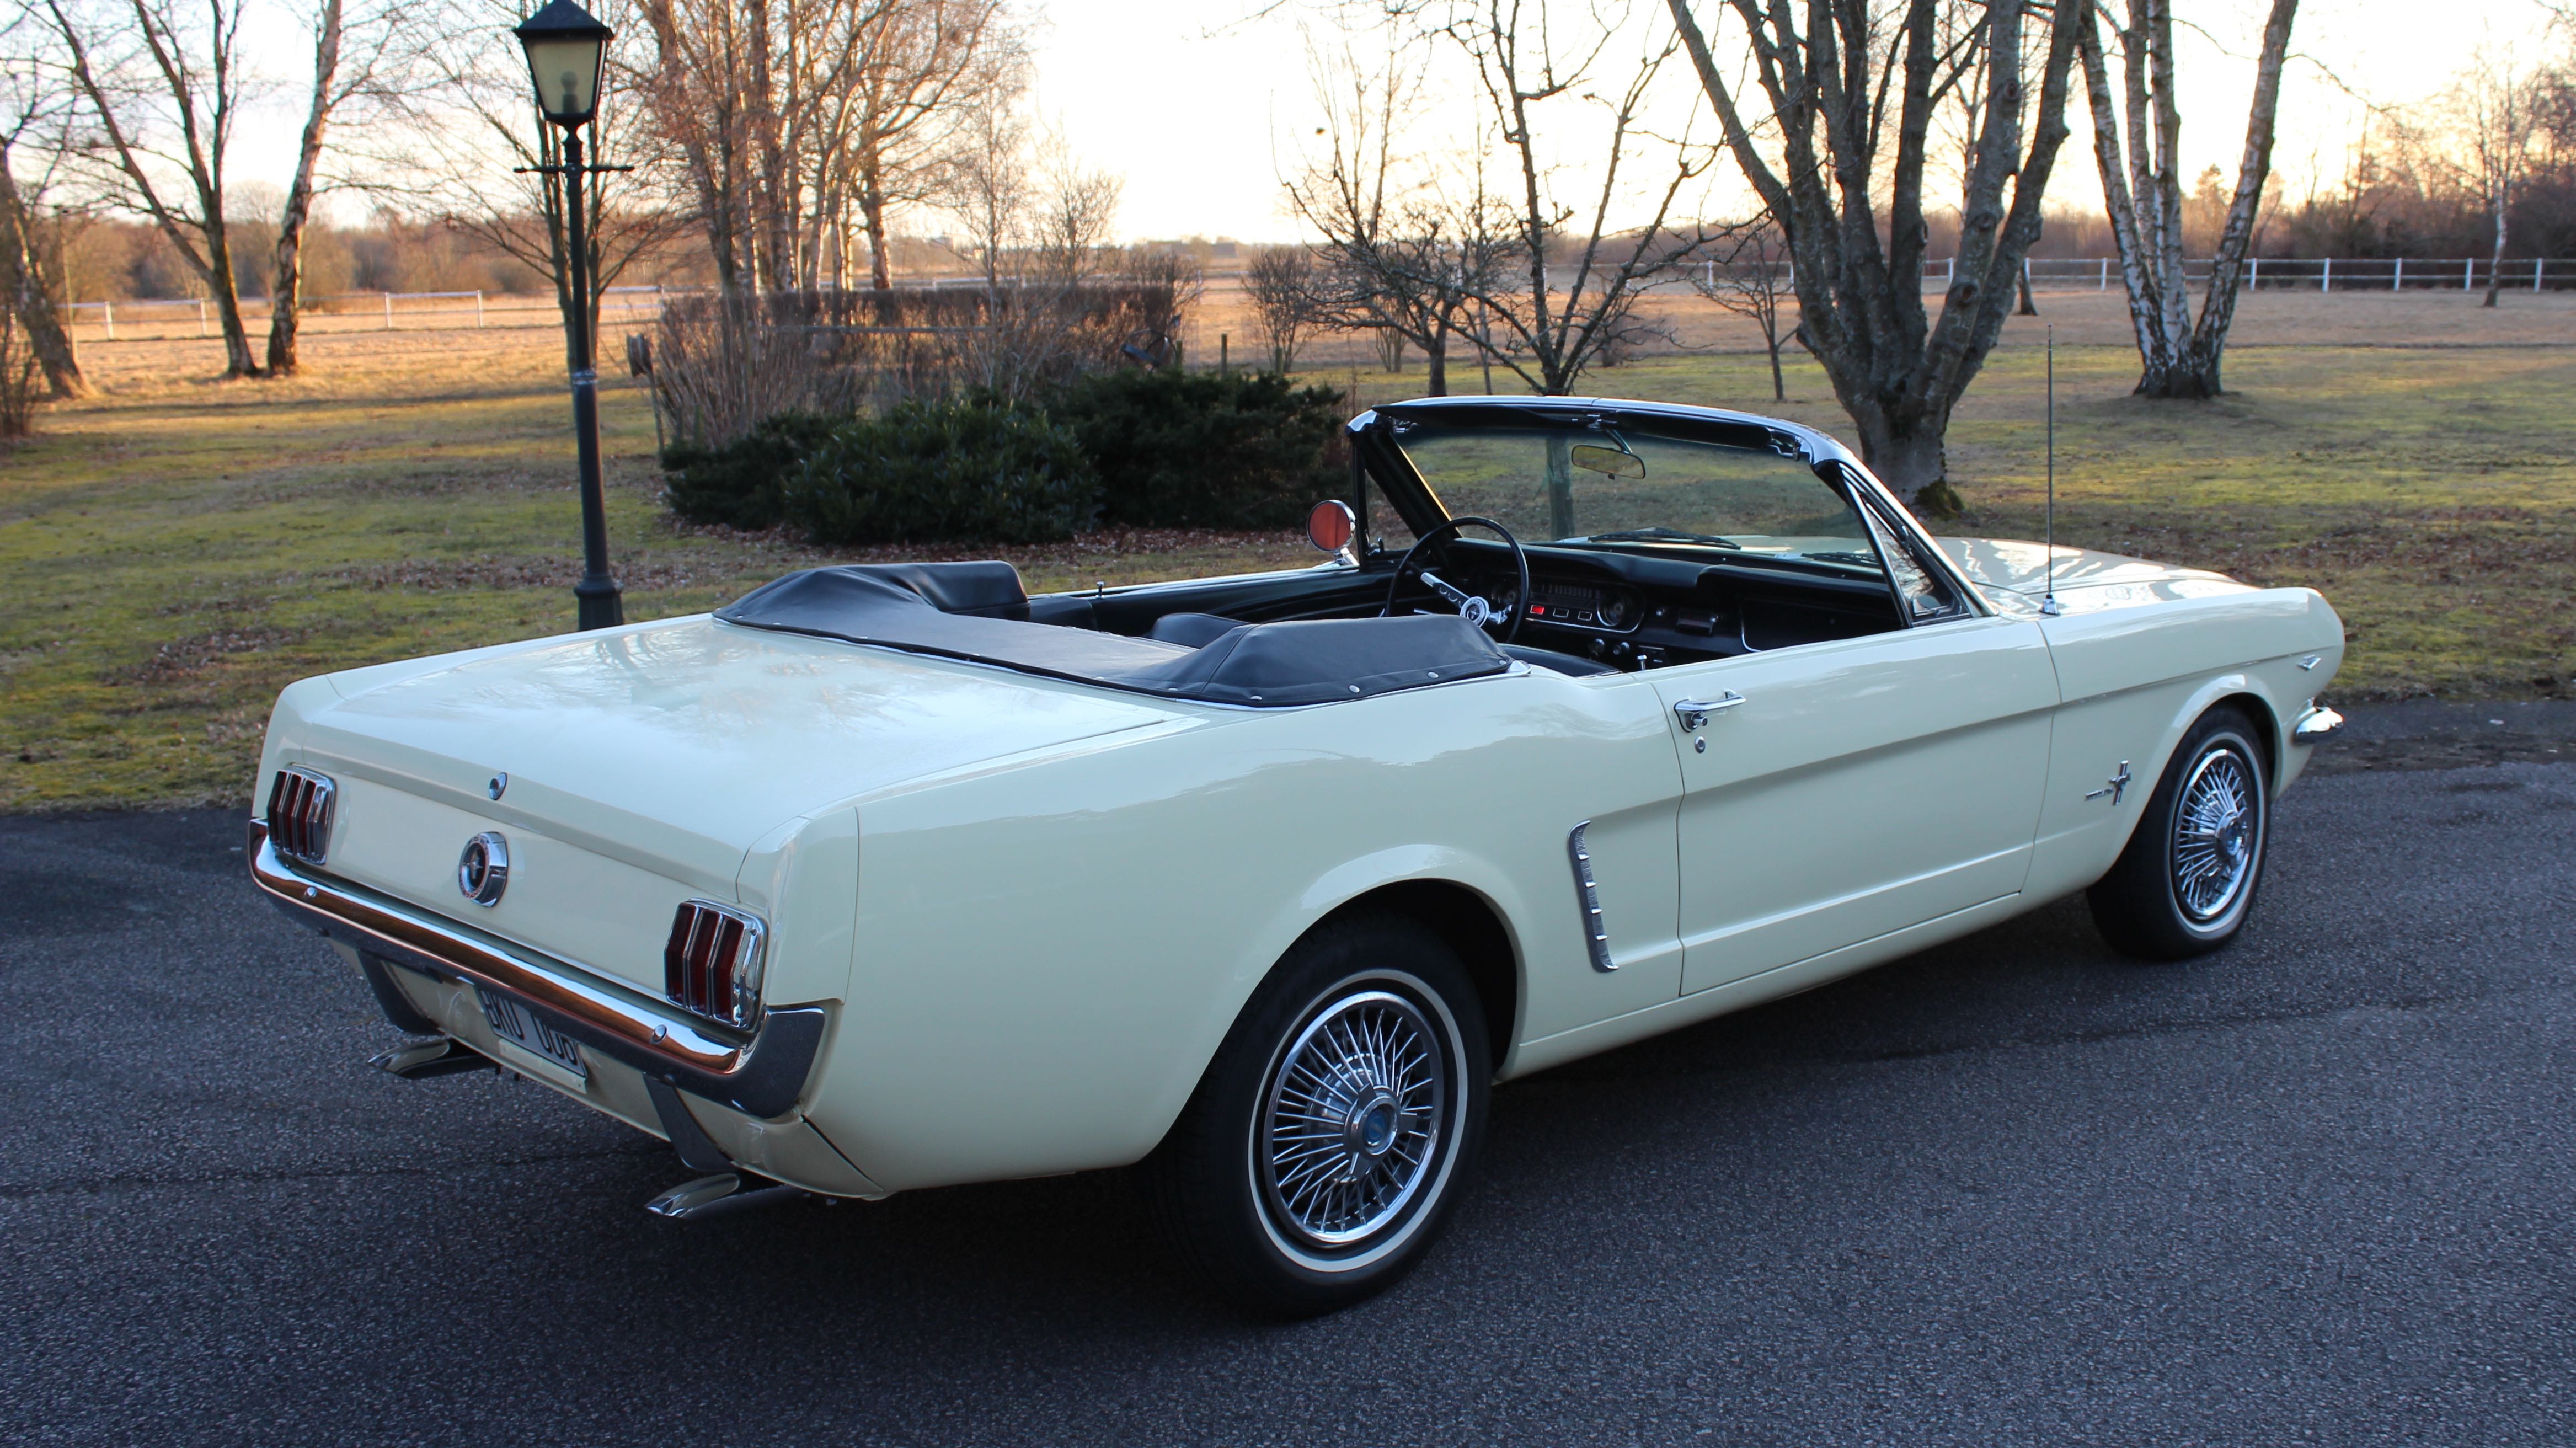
(1608, 461)
(1331, 526)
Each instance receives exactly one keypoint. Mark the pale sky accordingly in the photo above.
(1202, 110)
(1194, 112)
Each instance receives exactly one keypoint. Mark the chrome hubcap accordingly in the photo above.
(2216, 825)
(1351, 1127)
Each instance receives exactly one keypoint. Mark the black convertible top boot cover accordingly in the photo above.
(1266, 665)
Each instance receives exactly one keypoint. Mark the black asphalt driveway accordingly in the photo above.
(2315, 1189)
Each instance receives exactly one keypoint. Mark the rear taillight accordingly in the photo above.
(299, 814)
(711, 965)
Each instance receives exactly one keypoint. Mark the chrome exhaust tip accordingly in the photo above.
(710, 1196)
(419, 1060)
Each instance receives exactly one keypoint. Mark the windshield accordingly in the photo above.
(1596, 485)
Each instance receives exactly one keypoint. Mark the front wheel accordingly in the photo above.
(1325, 1146)
(2186, 882)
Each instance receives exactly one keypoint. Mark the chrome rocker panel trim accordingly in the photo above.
(764, 1077)
(2316, 724)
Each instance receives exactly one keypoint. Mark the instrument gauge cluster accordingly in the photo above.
(1595, 607)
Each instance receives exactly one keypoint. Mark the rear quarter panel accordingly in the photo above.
(1047, 957)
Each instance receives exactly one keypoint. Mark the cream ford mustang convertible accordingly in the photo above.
(1608, 717)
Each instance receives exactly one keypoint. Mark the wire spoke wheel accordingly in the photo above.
(1353, 1119)
(2216, 835)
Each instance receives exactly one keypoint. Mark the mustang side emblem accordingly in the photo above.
(2118, 786)
(483, 871)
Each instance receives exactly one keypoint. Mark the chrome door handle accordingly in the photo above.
(1694, 712)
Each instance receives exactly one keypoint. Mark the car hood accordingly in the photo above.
(2015, 573)
(693, 727)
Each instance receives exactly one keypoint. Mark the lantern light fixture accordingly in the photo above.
(565, 46)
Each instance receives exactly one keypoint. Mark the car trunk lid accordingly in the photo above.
(632, 769)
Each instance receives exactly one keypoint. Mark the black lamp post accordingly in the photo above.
(565, 46)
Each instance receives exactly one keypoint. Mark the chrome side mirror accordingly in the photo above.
(1331, 526)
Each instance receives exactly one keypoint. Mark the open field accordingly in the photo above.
(180, 548)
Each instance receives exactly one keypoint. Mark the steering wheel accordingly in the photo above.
(1505, 622)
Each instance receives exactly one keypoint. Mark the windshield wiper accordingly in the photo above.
(1660, 534)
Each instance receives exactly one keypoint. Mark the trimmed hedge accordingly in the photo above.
(737, 485)
(983, 472)
(1155, 449)
(1203, 450)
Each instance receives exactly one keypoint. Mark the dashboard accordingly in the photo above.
(1641, 626)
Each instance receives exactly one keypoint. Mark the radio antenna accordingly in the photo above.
(2048, 596)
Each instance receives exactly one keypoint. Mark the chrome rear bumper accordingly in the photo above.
(2315, 724)
(763, 1077)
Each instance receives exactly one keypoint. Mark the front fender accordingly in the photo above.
(2136, 680)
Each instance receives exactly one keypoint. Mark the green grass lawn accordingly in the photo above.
(180, 550)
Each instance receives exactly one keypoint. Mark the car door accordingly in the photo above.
(1836, 791)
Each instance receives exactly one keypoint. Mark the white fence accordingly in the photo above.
(2325, 275)
(148, 320)
(425, 311)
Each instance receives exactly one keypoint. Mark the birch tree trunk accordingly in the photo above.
(2495, 259)
(2136, 143)
(286, 271)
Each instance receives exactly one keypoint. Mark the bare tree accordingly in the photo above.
(1751, 280)
(1811, 135)
(352, 50)
(919, 73)
(1400, 259)
(35, 109)
(1077, 214)
(488, 167)
(163, 87)
(983, 177)
(803, 124)
(1049, 233)
(1170, 283)
(1282, 284)
(2142, 188)
(2494, 109)
(1526, 68)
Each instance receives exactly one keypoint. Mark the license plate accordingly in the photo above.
(522, 1027)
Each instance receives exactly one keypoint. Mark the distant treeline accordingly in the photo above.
(2392, 207)
(103, 259)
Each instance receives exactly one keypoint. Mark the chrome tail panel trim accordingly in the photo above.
(1587, 893)
(763, 1077)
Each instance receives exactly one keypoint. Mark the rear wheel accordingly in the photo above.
(2186, 882)
(1324, 1147)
